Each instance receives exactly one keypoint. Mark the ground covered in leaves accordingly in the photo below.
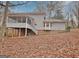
(46, 46)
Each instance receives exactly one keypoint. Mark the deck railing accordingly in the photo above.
(32, 27)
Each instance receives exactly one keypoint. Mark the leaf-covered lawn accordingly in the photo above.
(57, 45)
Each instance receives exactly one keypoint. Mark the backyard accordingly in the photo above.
(64, 44)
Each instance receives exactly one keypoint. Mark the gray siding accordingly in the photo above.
(58, 26)
(39, 22)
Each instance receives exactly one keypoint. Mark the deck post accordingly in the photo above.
(12, 33)
(19, 32)
(26, 28)
(25, 32)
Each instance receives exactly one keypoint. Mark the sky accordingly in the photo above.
(30, 7)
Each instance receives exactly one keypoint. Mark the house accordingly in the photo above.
(23, 24)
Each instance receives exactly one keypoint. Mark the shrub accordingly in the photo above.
(68, 28)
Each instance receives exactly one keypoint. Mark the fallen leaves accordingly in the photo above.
(55, 45)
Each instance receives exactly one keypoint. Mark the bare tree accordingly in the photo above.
(58, 15)
(54, 6)
(69, 12)
(76, 10)
(49, 6)
(41, 6)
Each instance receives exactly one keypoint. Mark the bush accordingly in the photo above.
(68, 28)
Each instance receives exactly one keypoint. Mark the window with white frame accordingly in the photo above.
(46, 24)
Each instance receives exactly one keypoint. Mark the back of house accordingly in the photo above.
(23, 24)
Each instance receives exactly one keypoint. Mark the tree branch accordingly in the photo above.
(13, 5)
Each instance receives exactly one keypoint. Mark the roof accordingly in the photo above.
(56, 21)
(24, 14)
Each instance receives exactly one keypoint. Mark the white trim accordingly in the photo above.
(45, 25)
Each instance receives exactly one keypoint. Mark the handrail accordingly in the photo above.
(33, 28)
(32, 25)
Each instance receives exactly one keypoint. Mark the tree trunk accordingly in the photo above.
(78, 22)
(4, 18)
(78, 17)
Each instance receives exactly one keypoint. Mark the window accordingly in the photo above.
(29, 21)
(47, 24)
(23, 20)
